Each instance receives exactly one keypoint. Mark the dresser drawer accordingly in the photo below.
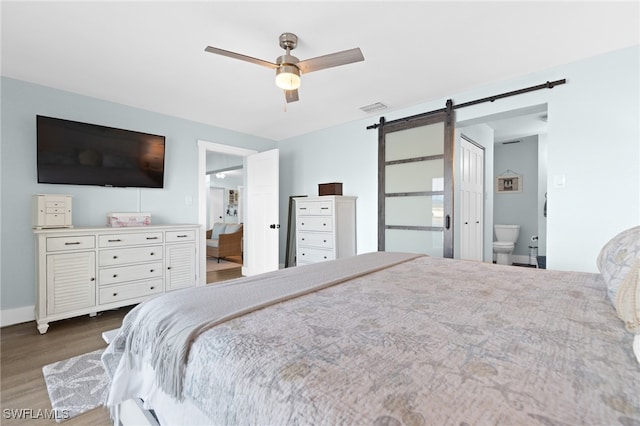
(116, 293)
(130, 273)
(314, 255)
(71, 243)
(181, 236)
(321, 240)
(56, 204)
(314, 208)
(126, 255)
(56, 210)
(315, 223)
(55, 219)
(126, 239)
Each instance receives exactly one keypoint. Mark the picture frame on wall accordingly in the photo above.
(509, 183)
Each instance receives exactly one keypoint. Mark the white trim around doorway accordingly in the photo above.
(203, 148)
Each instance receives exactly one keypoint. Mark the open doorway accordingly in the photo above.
(520, 149)
(512, 130)
(229, 163)
(225, 202)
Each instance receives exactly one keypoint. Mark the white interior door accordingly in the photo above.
(216, 206)
(262, 212)
(471, 200)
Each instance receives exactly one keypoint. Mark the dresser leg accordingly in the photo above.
(43, 327)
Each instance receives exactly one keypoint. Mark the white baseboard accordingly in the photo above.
(17, 315)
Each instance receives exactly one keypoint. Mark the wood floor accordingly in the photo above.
(214, 275)
(24, 351)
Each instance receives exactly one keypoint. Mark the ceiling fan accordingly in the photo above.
(288, 68)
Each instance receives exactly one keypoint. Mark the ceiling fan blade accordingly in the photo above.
(241, 57)
(291, 95)
(331, 60)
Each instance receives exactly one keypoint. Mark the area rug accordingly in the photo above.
(76, 385)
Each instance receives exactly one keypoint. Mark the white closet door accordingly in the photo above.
(471, 200)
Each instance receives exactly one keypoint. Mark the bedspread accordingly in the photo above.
(430, 341)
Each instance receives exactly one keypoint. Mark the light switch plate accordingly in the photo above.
(559, 181)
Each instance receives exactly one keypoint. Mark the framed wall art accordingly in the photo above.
(509, 183)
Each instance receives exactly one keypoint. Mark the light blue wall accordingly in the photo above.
(21, 102)
(347, 154)
(519, 208)
(593, 140)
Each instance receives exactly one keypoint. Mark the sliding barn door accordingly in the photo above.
(415, 181)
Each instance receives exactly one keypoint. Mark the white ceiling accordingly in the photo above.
(150, 54)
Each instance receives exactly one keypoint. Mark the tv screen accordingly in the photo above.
(76, 153)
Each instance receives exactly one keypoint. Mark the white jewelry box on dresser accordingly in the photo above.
(51, 211)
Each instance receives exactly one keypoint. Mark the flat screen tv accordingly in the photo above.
(74, 153)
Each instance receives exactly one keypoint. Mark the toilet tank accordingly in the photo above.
(507, 233)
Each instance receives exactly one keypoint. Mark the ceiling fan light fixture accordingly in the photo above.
(288, 77)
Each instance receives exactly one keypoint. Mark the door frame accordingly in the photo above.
(203, 148)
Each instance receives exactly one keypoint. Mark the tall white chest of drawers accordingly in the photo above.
(86, 270)
(325, 228)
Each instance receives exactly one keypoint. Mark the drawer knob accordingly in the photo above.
(325, 257)
(302, 223)
(303, 239)
(115, 257)
(150, 270)
(115, 275)
(152, 253)
(93, 279)
(169, 267)
(115, 294)
(151, 288)
(324, 241)
(324, 224)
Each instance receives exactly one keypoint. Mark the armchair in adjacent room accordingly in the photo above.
(224, 240)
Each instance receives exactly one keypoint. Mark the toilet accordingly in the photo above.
(506, 237)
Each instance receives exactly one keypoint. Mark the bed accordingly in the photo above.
(389, 339)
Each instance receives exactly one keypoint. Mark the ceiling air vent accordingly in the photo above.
(378, 106)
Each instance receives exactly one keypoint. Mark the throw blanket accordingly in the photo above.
(163, 328)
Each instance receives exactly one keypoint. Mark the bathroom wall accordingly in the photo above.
(519, 208)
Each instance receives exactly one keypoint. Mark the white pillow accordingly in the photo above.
(232, 228)
(628, 299)
(218, 228)
(616, 259)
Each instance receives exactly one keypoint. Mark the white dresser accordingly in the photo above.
(86, 270)
(325, 228)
